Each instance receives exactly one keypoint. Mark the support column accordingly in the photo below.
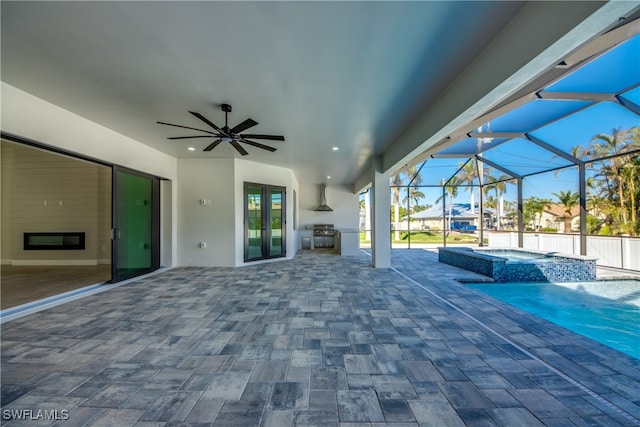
(582, 178)
(480, 167)
(444, 214)
(520, 215)
(381, 216)
(481, 212)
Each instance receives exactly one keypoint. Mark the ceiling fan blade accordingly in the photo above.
(213, 145)
(239, 147)
(207, 121)
(186, 127)
(270, 137)
(244, 126)
(257, 144)
(189, 137)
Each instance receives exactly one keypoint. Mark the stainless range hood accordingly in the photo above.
(323, 207)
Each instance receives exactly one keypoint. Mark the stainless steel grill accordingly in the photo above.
(323, 236)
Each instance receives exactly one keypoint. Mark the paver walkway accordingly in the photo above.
(319, 340)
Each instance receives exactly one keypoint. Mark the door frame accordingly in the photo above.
(266, 219)
(115, 224)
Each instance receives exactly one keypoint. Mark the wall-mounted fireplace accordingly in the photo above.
(53, 241)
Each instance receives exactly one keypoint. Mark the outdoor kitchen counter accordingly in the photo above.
(348, 241)
(306, 237)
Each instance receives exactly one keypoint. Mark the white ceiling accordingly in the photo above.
(347, 74)
(325, 74)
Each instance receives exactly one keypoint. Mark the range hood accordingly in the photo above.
(323, 207)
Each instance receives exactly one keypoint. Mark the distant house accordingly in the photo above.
(555, 217)
(461, 216)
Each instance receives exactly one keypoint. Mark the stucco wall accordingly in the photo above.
(342, 200)
(214, 223)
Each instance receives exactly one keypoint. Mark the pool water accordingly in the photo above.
(512, 255)
(605, 311)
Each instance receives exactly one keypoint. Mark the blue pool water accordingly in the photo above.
(513, 255)
(607, 311)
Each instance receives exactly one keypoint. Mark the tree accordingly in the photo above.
(511, 213)
(413, 194)
(412, 200)
(396, 182)
(399, 184)
(451, 190)
(467, 176)
(534, 207)
(614, 192)
(499, 184)
(631, 174)
(490, 201)
(568, 200)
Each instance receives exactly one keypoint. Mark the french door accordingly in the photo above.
(136, 224)
(264, 221)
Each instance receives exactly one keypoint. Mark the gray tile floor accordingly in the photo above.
(319, 340)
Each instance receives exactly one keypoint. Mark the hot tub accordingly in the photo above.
(518, 265)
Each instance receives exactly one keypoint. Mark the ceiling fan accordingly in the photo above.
(233, 135)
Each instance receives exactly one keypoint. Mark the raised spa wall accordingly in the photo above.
(552, 268)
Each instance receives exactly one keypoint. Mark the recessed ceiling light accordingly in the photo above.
(335, 148)
(191, 148)
(329, 177)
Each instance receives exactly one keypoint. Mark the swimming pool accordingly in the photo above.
(605, 311)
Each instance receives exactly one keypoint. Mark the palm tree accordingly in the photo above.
(450, 189)
(631, 173)
(366, 202)
(414, 196)
(534, 207)
(605, 145)
(411, 200)
(489, 201)
(511, 213)
(499, 184)
(568, 200)
(396, 182)
(616, 178)
(467, 176)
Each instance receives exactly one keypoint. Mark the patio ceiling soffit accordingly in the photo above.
(574, 61)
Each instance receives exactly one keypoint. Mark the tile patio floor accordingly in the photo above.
(319, 340)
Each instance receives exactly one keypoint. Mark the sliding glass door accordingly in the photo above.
(264, 219)
(136, 218)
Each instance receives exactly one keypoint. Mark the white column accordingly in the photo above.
(381, 216)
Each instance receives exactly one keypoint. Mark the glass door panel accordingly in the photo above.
(264, 222)
(276, 242)
(135, 224)
(253, 231)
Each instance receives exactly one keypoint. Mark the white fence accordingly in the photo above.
(619, 252)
